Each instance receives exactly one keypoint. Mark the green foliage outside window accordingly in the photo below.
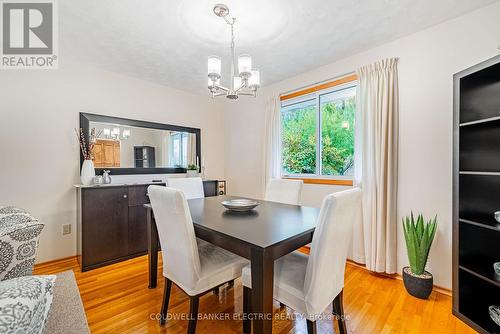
(337, 138)
(337, 131)
(299, 140)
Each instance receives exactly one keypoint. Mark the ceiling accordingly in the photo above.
(168, 41)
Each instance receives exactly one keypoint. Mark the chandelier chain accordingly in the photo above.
(232, 52)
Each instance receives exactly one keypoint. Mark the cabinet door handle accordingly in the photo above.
(125, 196)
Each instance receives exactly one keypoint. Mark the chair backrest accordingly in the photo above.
(284, 191)
(192, 187)
(326, 265)
(181, 262)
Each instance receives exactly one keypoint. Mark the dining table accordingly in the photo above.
(262, 235)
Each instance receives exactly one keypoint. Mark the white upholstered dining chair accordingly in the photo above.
(284, 191)
(195, 268)
(308, 284)
(192, 187)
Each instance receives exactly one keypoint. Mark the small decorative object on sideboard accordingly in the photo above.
(495, 314)
(87, 173)
(98, 180)
(418, 236)
(105, 177)
(192, 171)
(202, 168)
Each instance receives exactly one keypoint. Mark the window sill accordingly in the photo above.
(336, 182)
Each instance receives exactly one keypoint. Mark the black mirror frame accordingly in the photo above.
(85, 119)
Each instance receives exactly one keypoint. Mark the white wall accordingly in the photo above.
(39, 159)
(428, 60)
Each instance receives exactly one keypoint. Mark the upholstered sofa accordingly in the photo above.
(19, 237)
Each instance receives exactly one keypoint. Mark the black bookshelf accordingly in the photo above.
(476, 194)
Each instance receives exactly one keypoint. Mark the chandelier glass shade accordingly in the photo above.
(245, 82)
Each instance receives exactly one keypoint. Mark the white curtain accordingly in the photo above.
(170, 152)
(166, 148)
(376, 168)
(191, 156)
(272, 145)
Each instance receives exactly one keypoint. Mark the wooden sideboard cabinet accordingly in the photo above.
(111, 222)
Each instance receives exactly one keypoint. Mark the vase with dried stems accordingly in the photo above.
(87, 173)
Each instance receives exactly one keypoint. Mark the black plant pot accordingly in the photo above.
(420, 287)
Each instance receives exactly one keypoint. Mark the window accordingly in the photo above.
(178, 148)
(299, 137)
(317, 133)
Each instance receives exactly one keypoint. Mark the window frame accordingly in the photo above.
(315, 94)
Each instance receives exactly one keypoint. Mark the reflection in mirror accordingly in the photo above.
(123, 146)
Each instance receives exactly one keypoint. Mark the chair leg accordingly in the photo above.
(247, 303)
(338, 309)
(311, 327)
(166, 299)
(193, 313)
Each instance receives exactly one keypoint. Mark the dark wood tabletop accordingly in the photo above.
(268, 224)
(263, 235)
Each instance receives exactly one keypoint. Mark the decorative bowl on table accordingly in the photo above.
(240, 204)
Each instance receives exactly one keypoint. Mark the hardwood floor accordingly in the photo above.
(117, 300)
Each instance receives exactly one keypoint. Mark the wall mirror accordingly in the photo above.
(127, 146)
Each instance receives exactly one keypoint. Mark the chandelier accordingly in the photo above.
(246, 82)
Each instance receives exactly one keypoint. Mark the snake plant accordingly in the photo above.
(419, 236)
